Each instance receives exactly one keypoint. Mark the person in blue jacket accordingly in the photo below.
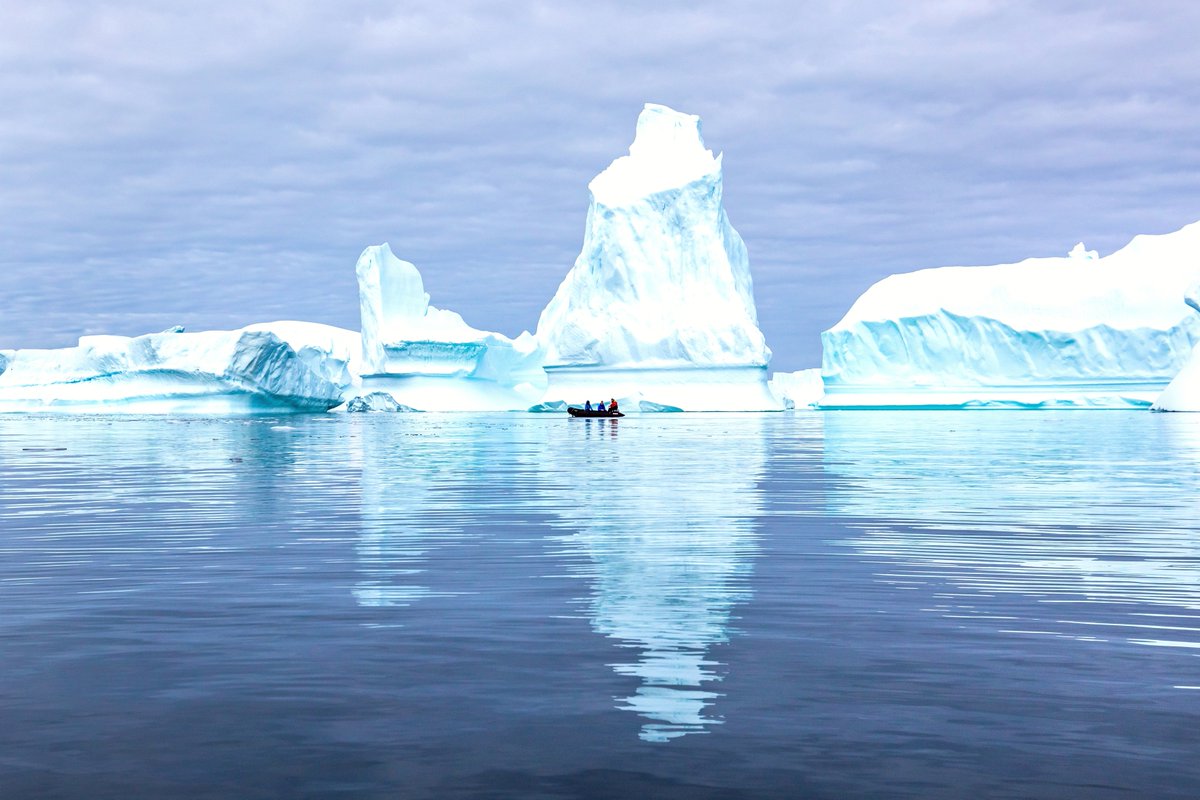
(587, 405)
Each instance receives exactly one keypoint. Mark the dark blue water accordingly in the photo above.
(846, 605)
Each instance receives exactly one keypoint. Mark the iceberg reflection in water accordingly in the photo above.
(909, 604)
(667, 544)
(404, 519)
(1091, 528)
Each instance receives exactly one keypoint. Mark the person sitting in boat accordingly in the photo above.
(600, 406)
(612, 406)
(587, 405)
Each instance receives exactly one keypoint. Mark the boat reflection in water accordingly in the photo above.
(667, 544)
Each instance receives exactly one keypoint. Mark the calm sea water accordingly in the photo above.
(838, 605)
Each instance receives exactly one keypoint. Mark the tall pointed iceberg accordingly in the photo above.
(659, 306)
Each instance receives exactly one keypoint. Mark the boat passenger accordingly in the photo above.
(587, 405)
(600, 406)
(612, 406)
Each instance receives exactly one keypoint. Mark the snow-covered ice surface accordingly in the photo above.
(1183, 393)
(1076, 331)
(803, 389)
(429, 358)
(658, 310)
(272, 367)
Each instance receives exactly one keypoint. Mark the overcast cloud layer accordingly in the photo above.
(226, 164)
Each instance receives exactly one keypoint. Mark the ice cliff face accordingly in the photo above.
(1183, 393)
(430, 359)
(661, 286)
(1074, 331)
(299, 367)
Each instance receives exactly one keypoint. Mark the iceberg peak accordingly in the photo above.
(659, 306)
(394, 290)
(1081, 253)
(667, 152)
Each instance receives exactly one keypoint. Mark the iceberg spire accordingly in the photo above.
(659, 305)
(392, 300)
(426, 357)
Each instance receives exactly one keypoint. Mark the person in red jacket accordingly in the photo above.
(612, 406)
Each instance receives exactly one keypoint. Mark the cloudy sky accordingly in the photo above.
(220, 163)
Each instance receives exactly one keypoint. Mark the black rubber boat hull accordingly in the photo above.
(579, 412)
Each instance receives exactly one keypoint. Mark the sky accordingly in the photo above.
(221, 163)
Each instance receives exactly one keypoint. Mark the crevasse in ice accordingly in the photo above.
(1073, 331)
(658, 309)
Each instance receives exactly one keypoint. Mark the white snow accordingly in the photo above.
(1073, 331)
(270, 367)
(431, 359)
(1081, 253)
(667, 152)
(659, 305)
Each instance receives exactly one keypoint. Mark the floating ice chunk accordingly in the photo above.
(1072, 331)
(401, 332)
(375, 402)
(429, 358)
(659, 303)
(803, 389)
(247, 370)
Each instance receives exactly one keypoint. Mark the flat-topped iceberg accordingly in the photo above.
(429, 358)
(658, 309)
(272, 367)
(1073, 331)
